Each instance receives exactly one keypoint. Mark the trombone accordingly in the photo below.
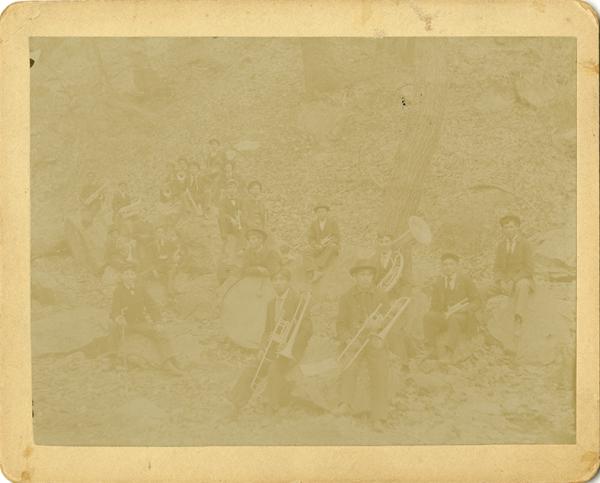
(285, 332)
(359, 342)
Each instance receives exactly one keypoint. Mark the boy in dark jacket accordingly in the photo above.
(442, 325)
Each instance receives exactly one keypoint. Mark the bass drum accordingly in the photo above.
(244, 310)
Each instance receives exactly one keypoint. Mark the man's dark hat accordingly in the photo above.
(450, 256)
(362, 264)
(321, 205)
(260, 231)
(508, 218)
(284, 272)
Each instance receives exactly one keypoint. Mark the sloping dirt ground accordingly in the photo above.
(508, 143)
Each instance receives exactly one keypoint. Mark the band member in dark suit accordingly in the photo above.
(130, 311)
(355, 306)
(324, 242)
(441, 330)
(255, 211)
(513, 265)
(258, 259)
(230, 212)
(282, 308)
(198, 189)
(165, 255)
(215, 157)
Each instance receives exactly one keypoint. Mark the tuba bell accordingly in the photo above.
(418, 231)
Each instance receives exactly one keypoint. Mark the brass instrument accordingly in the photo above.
(390, 279)
(191, 200)
(362, 338)
(457, 307)
(131, 209)
(91, 198)
(291, 340)
(237, 219)
(281, 335)
(418, 231)
(328, 240)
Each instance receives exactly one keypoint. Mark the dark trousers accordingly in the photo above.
(318, 259)
(377, 366)
(435, 325)
(278, 388)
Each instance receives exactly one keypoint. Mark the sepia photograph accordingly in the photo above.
(313, 241)
(299, 241)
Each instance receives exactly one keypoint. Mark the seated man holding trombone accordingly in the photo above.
(365, 317)
(454, 300)
(288, 329)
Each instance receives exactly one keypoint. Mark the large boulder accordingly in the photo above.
(67, 330)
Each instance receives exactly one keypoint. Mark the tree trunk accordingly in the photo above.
(420, 137)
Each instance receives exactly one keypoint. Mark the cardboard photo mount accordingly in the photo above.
(22, 460)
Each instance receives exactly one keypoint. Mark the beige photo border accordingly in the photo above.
(22, 460)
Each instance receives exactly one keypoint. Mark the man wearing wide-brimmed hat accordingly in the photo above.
(258, 259)
(355, 306)
(324, 241)
(513, 266)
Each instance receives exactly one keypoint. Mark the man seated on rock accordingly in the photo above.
(324, 242)
(255, 210)
(134, 312)
(230, 213)
(454, 301)
(258, 259)
(513, 267)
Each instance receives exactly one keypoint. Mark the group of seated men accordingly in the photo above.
(455, 301)
(243, 224)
